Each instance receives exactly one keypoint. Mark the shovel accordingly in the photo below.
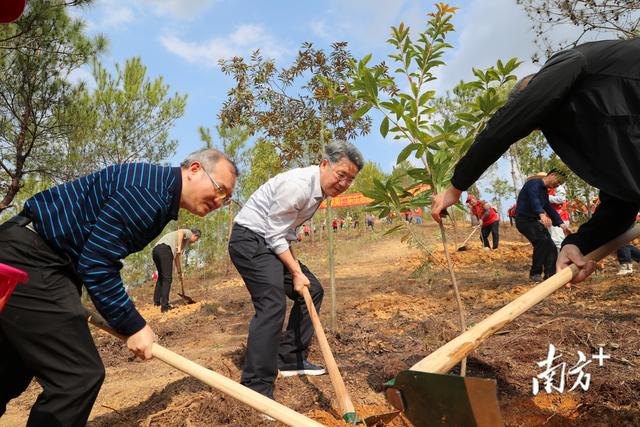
(344, 401)
(219, 382)
(463, 247)
(182, 295)
(428, 396)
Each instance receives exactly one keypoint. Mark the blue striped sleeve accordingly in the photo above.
(123, 226)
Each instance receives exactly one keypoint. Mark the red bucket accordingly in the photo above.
(9, 277)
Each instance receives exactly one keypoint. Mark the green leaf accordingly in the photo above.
(393, 194)
(426, 96)
(411, 127)
(365, 60)
(406, 97)
(384, 127)
(406, 152)
(511, 65)
(417, 173)
(414, 89)
(371, 85)
(361, 111)
(392, 229)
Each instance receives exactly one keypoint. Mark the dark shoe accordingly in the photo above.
(536, 278)
(306, 368)
(166, 308)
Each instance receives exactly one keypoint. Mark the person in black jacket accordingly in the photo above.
(586, 102)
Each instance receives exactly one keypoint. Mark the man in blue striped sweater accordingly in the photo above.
(77, 234)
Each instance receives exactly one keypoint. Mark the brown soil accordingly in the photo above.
(388, 318)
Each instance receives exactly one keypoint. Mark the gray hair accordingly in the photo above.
(208, 158)
(196, 232)
(338, 150)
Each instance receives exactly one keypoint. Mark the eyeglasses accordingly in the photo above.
(226, 198)
(342, 177)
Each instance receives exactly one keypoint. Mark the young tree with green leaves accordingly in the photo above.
(283, 106)
(38, 52)
(500, 190)
(410, 116)
(126, 118)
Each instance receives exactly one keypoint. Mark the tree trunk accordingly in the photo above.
(455, 228)
(513, 171)
(228, 262)
(332, 272)
(463, 323)
(14, 188)
(16, 178)
(312, 231)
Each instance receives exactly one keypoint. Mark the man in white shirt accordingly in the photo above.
(260, 250)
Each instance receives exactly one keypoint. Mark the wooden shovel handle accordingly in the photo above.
(446, 357)
(219, 382)
(346, 406)
(471, 234)
(178, 263)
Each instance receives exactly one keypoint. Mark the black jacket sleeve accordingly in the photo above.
(612, 217)
(520, 116)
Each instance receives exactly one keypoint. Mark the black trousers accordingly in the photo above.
(494, 230)
(268, 282)
(44, 334)
(545, 252)
(163, 259)
(628, 253)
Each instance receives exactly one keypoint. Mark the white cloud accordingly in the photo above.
(117, 17)
(241, 42)
(492, 30)
(179, 9)
(481, 42)
(368, 22)
(319, 29)
(82, 75)
(111, 14)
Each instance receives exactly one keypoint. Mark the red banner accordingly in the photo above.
(347, 200)
(419, 189)
(359, 199)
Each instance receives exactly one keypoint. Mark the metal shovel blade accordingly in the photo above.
(380, 420)
(187, 298)
(445, 400)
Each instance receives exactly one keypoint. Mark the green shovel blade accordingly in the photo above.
(445, 400)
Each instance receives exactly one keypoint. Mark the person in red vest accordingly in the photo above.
(489, 218)
(512, 213)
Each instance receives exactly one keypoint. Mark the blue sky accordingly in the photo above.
(182, 41)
